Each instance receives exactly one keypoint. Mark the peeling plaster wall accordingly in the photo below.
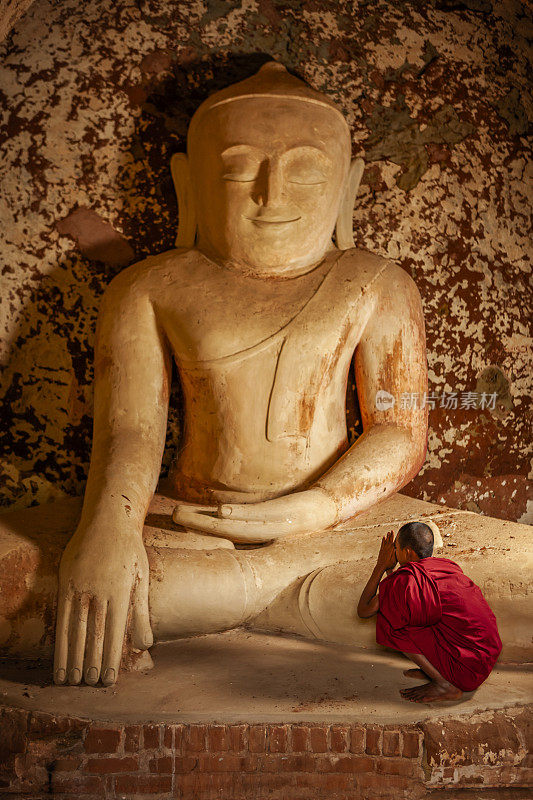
(10, 12)
(96, 97)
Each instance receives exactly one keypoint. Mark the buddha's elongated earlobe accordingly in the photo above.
(344, 227)
(181, 175)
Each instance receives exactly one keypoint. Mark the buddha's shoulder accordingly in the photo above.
(154, 271)
(370, 270)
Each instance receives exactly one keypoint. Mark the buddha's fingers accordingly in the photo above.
(142, 635)
(179, 507)
(117, 614)
(95, 642)
(278, 511)
(79, 614)
(238, 530)
(61, 646)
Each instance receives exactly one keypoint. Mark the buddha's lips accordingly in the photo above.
(273, 221)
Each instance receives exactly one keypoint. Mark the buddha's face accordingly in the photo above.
(268, 178)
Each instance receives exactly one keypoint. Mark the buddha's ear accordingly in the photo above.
(181, 175)
(344, 227)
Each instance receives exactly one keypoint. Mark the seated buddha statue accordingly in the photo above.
(262, 305)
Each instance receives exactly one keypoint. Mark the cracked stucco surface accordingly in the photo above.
(96, 97)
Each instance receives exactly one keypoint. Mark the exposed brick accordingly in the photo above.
(299, 738)
(238, 738)
(345, 763)
(168, 736)
(297, 763)
(411, 744)
(194, 738)
(338, 736)
(476, 740)
(184, 764)
(513, 776)
(318, 736)
(66, 764)
(376, 785)
(357, 739)
(325, 785)
(257, 738)
(13, 727)
(79, 784)
(226, 762)
(373, 741)
(205, 786)
(132, 737)
(269, 785)
(32, 774)
(45, 725)
(277, 738)
(179, 735)
(218, 739)
(143, 784)
(109, 766)
(398, 766)
(391, 743)
(151, 737)
(335, 782)
(102, 740)
(163, 765)
(290, 762)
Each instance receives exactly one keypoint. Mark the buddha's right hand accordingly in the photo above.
(100, 572)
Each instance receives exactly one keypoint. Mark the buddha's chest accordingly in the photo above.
(224, 315)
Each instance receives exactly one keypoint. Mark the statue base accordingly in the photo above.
(246, 713)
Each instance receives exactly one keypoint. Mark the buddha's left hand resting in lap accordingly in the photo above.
(262, 315)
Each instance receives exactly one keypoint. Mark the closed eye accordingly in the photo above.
(306, 182)
(239, 178)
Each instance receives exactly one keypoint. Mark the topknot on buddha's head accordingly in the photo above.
(271, 80)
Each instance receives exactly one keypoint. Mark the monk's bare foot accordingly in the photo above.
(431, 693)
(416, 673)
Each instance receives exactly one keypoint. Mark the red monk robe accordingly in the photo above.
(431, 607)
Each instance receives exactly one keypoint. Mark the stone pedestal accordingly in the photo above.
(250, 714)
(247, 715)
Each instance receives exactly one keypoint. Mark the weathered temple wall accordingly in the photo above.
(96, 97)
(10, 13)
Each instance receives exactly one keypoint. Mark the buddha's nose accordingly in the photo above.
(269, 190)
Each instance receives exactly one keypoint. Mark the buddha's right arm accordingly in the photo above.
(104, 565)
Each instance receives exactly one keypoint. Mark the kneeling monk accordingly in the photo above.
(433, 613)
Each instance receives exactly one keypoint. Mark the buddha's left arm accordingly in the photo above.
(390, 358)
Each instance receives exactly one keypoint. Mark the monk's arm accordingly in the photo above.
(391, 358)
(369, 601)
(368, 604)
(105, 565)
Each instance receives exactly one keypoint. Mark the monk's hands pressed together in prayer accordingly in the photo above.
(387, 553)
(310, 510)
(369, 602)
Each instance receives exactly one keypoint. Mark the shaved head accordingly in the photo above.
(418, 536)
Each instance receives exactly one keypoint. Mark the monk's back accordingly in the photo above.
(465, 612)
